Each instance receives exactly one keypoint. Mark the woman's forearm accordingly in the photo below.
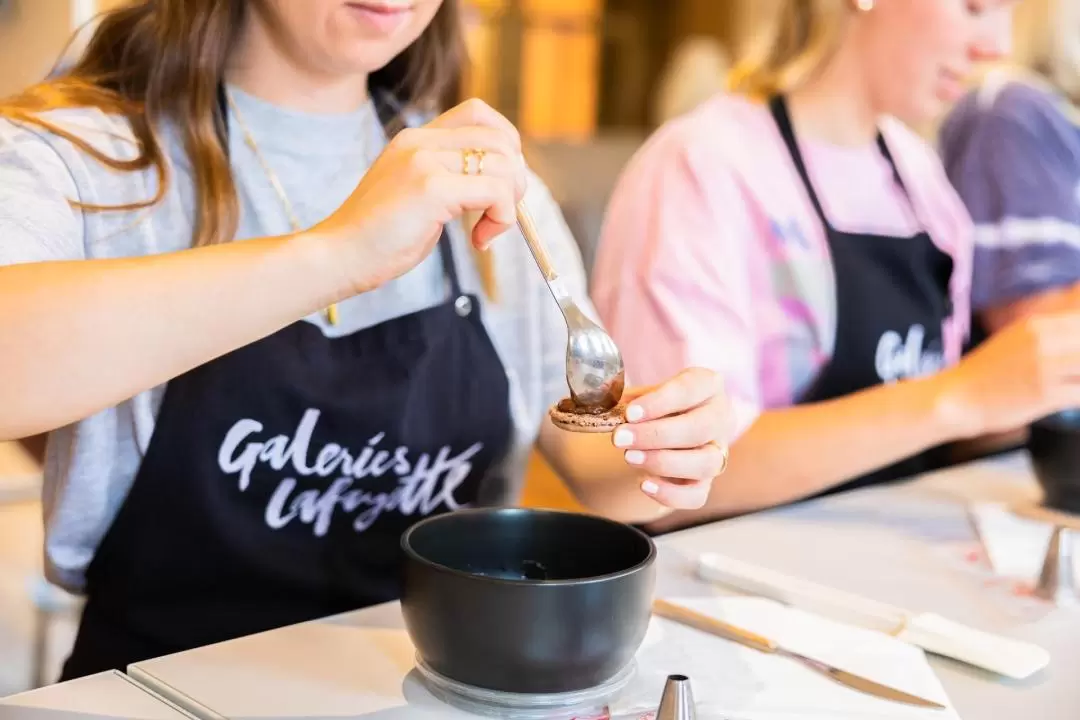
(1049, 301)
(81, 336)
(791, 453)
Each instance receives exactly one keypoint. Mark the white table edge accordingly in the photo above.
(157, 687)
(114, 675)
(169, 695)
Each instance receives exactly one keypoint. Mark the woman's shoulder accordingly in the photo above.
(1006, 106)
(55, 146)
(64, 130)
(1010, 94)
(727, 148)
(41, 175)
(728, 127)
(59, 160)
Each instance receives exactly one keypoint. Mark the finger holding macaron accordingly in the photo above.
(677, 434)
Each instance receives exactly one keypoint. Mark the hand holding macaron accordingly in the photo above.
(675, 433)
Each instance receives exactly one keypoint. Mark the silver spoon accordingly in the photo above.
(594, 365)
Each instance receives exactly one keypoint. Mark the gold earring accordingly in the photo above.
(864, 5)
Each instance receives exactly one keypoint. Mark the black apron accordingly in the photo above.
(280, 477)
(892, 295)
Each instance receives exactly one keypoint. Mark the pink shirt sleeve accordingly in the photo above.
(672, 279)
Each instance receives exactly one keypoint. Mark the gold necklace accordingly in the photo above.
(331, 313)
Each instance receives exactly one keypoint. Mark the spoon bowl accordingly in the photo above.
(594, 365)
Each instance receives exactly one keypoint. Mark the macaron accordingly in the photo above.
(568, 415)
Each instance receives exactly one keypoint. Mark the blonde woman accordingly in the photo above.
(240, 431)
(1012, 150)
(795, 236)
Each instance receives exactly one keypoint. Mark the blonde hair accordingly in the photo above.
(697, 70)
(786, 42)
(1046, 42)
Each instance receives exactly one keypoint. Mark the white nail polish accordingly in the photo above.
(634, 413)
(635, 457)
(649, 487)
(623, 438)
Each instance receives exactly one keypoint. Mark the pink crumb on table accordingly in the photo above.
(1023, 589)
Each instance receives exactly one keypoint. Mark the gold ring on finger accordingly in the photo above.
(724, 462)
(467, 167)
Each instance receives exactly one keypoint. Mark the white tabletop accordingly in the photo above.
(899, 544)
(108, 696)
(323, 669)
(905, 545)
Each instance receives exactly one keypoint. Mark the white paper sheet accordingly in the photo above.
(730, 682)
(1015, 546)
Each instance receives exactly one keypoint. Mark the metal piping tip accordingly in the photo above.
(677, 702)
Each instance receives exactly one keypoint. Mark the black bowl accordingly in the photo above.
(1054, 445)
(527, 601)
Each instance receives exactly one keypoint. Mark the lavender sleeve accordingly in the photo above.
(1014, 159)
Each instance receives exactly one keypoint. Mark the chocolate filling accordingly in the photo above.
(567, 405)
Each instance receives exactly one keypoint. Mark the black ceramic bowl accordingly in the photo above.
(526, 601)
(1054, 444)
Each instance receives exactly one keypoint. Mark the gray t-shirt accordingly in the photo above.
(319, 159)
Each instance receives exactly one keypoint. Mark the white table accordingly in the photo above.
(108, 696)
(902, 545)
(891, 544)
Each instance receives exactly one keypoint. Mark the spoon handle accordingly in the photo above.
(536, 246)
(571, 313)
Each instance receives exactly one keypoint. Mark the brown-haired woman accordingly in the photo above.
(240, 431)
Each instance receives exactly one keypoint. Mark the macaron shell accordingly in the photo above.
(588, 422)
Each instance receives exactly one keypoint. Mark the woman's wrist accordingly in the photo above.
(627, 505)
(337, 268)
(951, 408)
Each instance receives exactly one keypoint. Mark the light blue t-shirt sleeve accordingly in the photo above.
(37, 220)
(1014, 159)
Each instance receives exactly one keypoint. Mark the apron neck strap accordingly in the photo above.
(779, 109)
(390, 113)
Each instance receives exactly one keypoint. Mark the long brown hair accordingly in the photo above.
(155, 60)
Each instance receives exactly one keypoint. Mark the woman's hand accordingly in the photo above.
(677, 434)
(421, 181)
(1027, 370)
